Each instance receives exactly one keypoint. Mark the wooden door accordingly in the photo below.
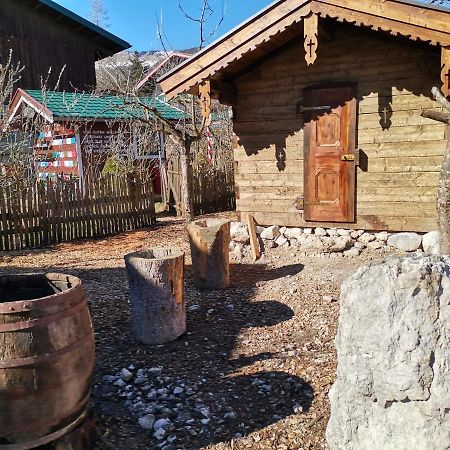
(329, 154)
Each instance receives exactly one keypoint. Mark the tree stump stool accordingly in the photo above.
(156, 281)
(210, 250)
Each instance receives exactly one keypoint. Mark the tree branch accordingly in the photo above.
(439, 97)
(436, 115)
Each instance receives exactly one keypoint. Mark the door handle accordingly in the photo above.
(348, 157)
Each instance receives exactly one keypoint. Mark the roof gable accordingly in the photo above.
(398, 17)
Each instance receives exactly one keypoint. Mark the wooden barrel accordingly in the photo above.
(46, 358)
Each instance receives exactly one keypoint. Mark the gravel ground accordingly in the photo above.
(254, 369)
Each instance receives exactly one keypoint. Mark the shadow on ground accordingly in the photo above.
(207, 359)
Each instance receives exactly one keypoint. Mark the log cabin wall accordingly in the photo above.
(40, 42)
(401, 152)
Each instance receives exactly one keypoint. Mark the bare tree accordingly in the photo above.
(203, 19)
(443, 198)
(98, 13)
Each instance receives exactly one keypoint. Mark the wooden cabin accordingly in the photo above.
(327, 98)
(44, 35)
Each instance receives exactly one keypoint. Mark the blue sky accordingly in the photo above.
(136, 21)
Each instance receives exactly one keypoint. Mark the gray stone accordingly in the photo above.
(307, 230)
(146, 422)
(159, 434)
(178, 391)
(343, 232)
(393, 378)
(359, 245)
(239, 233)
(280, 240)
(383, 236)
(352, 252)
(374, 245)
(283, 230)
(120, 383)
(161, 423)
(342, 243)
(431, 242)
(405, 242)
(293, 233)
(320, 232)
(126, 375)
(365, 238)
(332, 232)
(354, 234)
(271, 233)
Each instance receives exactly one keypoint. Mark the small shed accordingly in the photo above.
(80, 128)
(327, 97)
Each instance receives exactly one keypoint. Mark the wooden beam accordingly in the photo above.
(311, 33)
(445, 70)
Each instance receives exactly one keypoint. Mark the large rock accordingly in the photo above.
(405, 242)
(431, 243)
(393, 377)
(239, 233)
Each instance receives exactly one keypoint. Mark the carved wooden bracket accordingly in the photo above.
(311, 29)
(204, 92)
(445, 71)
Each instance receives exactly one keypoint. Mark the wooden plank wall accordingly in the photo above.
(53, 212)
(397, 182)
(40, 43)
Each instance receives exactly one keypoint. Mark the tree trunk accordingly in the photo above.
(187, 182)
(158, 309)
(210, 250)
(443, 201)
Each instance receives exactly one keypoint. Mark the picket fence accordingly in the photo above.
(59, 211)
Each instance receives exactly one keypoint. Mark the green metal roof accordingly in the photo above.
(108, 40)
(85, 106)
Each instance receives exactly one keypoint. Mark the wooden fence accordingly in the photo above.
(51, 212)
(213, 187)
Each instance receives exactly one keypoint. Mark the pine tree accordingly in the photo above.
(98, 13)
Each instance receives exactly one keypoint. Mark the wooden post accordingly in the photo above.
(156, 280)
(254, 244)
(210, 251)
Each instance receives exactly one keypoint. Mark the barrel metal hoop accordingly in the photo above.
(41, 303)
(46, 357)
(49, 437)
(17, 326)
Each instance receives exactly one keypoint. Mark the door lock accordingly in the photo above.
(348, 157)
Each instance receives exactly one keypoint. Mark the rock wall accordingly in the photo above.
(393, 343)
(340, 241)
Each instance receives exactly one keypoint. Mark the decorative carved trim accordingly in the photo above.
(204, 91)
(311, 33)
